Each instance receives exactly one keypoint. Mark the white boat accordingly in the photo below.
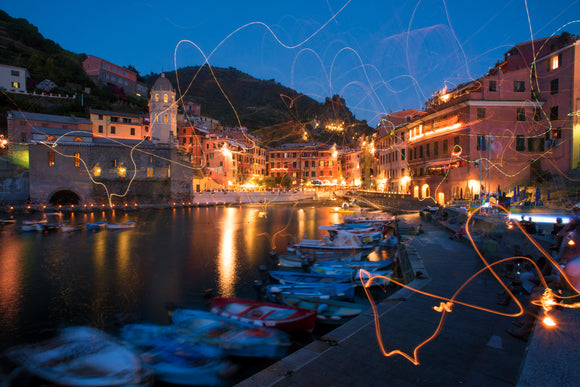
(80, 356)
(341, 240)
(70, 228)
(121, 226)
(31, 225)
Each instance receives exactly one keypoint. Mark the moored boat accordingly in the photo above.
(71, 228)
(121, 226)
(293, 277)
(174, 356)
(96, 226)
(265, 314)
(339, 291)
(80, 356)
(233, 337)
(332, 312)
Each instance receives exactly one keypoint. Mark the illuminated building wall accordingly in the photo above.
(20, 124)
(163, 112)
(118, 125)
(305, 163)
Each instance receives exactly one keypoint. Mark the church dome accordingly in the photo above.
(162, 83)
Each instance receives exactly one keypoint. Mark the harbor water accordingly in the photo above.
(173, 256)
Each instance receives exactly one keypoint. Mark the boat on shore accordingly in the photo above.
(235, 338)
(174, 357)
(265, 314)
(80, 356)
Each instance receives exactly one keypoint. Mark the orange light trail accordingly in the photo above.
(547, 301)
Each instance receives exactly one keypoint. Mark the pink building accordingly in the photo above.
(305, 163)
(22, 124)
(506, 128)
(103, 72)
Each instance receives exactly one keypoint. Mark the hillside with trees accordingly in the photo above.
(273, 112)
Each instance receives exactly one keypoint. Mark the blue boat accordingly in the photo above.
(174, 356)
(96, 226)
(338, 291)
(235, 338)
(292, 277)
(330, 312)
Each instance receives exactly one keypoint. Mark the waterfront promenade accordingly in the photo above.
(472, 347)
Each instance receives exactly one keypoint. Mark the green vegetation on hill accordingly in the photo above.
(273, 112)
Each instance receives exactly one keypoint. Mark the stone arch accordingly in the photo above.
(64, 197)
(425, 191)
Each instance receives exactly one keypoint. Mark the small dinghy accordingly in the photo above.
(233, 337)
(265, 314)
(80, 356)
(174, 357)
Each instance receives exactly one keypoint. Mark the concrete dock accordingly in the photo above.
(469, 346)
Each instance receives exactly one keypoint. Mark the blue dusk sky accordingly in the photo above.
(380, 56)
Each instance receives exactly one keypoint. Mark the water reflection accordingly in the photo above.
(227, 254)
(11, 275)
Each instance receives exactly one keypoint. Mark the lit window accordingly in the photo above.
(16, 85)
(555, 62)
(165, 119)
(156, 97)
(149, 172)
(78, 139)
(50, 138)
(97, 170)
(51, 159)
(122, 172)
(77, 159)
(165, 98)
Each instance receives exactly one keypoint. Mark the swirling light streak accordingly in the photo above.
(547, 302)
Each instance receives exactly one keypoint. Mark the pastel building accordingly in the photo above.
(305, 163)
(21, 124)
(103, 73)
(116, 125)
(13, 79)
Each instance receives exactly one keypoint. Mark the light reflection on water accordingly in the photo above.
(106, 277)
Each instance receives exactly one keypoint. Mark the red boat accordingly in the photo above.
(265, 314)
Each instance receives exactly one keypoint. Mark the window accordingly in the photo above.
(306, 164)
(421, 152)
(313, 174)
(132, 131)
(114, 119)
(537, 114)
(126, 120)
(456, 140)
(51, 159)
(113, 130)
(165, 118)
(480, 113)
(100, 116)
(492, 85)
(445, 150)
(521, 114)
(15, 73)
(520, 143)
(481, 142)
(428, 150)
(156, 97)
(554, 113)
(402, 154)
(436, 148)
(100, 128)
(519, 86)
(165, 98)
(554, 62)
(16, 85)
(531, 143)
(554, 86)
(77, 159)
(556, 133)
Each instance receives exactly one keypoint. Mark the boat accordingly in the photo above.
(294, 277)
(96, 226)
(46, 227)
(340, 239)
(332, 312)
(299, 259)
(338, 291)
(265, 314)
(80, 356)
(70, 228)
(6, 222)
(383, 275)
(327, 267)
(235, 338)
(121, 226)
(30, 225)
(174, 357)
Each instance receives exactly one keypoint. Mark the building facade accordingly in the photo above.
(13, 79)
(104, 73)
